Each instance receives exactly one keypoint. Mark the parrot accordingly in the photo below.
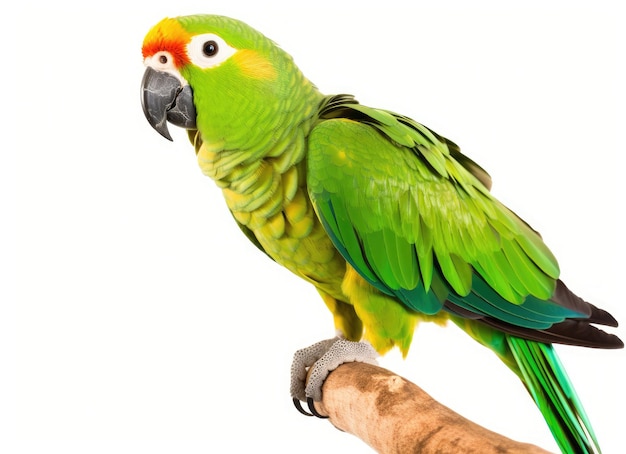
(387, 219)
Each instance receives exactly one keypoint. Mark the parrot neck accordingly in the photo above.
(262, 176)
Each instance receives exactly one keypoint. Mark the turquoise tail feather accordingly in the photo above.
(548, 384)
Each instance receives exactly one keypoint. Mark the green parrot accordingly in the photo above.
(386, 218)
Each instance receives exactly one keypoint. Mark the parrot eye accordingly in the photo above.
(209, 50)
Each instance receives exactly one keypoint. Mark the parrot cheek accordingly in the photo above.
(164, 99)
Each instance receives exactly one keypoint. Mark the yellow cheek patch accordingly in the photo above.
(254, 65)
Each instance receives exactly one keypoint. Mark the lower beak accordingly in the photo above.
(164, 99)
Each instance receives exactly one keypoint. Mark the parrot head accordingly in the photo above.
(217, 75)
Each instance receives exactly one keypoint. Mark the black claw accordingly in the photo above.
(311, 404)
(298, 406)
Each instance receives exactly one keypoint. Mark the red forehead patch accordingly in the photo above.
(168, 35)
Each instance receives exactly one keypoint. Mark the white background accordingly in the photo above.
(135, 316)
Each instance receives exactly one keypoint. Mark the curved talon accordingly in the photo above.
(311, 404)
(298, 406)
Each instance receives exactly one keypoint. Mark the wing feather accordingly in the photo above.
(416, 219)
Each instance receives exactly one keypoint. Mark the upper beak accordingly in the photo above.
(163, 99)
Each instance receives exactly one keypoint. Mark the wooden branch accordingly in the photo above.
(393, 415)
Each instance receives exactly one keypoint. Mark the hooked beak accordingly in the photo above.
(163, 99)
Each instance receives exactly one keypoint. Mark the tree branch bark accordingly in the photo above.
(393, 415)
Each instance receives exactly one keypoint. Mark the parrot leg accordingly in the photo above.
(318, 361)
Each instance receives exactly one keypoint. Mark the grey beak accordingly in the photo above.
(163, 99)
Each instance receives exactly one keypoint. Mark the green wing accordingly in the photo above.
(415, 218)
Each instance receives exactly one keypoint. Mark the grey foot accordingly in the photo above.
(322, 358)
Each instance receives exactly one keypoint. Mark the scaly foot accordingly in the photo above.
(322, 358)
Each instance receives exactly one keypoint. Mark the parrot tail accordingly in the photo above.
(548, 384)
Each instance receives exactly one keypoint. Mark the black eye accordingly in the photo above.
(163, 59)
(210, 48)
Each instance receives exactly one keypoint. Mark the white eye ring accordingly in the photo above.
(209, 50)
